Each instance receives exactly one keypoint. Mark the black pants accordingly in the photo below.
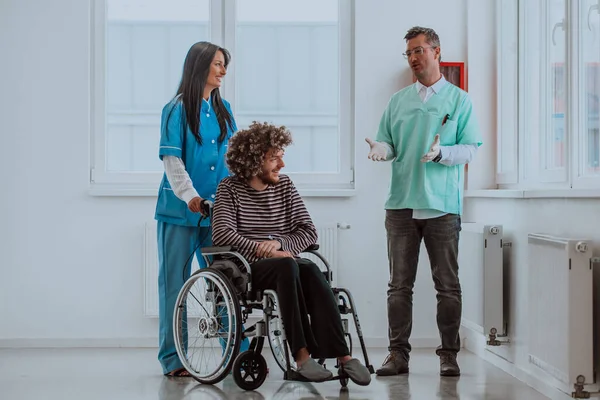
(404, 235)
(302, 290)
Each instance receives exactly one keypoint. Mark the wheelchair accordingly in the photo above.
(215, 303)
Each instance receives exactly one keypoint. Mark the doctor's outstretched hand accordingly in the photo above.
(378, 151)
(434, 150)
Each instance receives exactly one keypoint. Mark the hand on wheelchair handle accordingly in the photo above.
(205, 207)
(195, 204)
(200, 205)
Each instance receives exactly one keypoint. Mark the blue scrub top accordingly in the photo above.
(204, 163)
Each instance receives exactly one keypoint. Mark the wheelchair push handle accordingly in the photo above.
(206, 207)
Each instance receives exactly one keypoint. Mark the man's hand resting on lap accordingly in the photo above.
(265, 249)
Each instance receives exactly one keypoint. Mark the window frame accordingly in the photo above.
(572, 178)
(222, 32)
(506, 175)
(580, 180)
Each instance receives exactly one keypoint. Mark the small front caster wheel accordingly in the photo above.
(249, 370)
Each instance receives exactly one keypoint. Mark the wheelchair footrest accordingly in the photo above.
(294, 375)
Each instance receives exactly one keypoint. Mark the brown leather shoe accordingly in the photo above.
(395, 363)
(448, 364)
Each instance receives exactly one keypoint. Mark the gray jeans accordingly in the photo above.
(404, 236)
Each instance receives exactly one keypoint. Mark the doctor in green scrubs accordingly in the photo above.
(428, 131)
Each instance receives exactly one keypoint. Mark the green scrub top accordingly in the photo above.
(409, 126)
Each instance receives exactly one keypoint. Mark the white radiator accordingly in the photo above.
(560, 308)
(328, 247)
(482, 276)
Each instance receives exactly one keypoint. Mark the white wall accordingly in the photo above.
(71, 264)
(577, 218)
(562, 217)
(481, 69)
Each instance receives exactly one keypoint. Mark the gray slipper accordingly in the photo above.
(313, 371)
(357, 372)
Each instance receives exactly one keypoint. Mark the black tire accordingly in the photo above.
(249, 370)
(217, 374)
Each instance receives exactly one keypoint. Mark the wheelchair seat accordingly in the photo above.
(232, 271)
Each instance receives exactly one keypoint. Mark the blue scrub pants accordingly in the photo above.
(175, 244)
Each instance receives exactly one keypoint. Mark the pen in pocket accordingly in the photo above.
(445, 119)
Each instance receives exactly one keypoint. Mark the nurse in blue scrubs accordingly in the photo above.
(196, 126)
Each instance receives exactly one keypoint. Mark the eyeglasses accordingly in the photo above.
(417, 51)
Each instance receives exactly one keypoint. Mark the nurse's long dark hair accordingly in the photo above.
(191, 89)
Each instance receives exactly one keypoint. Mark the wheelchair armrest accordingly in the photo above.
(313, 250)
(218, 249)
(312, 247)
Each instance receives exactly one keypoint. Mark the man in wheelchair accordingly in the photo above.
(260, 213)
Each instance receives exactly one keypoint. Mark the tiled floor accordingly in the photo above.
(132, 374)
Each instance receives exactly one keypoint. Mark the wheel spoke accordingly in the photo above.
(206, 319)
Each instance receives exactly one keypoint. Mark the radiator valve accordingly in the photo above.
(581, 247)
(493, 341)
(579, 393)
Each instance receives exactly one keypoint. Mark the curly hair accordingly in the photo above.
(248, 147)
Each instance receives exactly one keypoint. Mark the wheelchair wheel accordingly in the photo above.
(249, 370)
(207, 326)
(275, 334)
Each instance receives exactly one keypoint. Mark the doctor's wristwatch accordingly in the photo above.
(438, 158)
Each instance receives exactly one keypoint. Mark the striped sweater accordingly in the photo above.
(244, 217)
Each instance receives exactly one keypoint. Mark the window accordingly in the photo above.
(548, 94)
(589, 93)
(290, 66)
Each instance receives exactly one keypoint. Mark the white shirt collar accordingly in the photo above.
(207, 102)
(436, 87)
